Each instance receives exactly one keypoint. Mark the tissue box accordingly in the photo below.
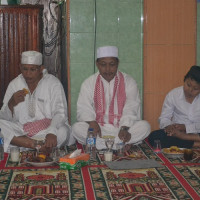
(74, 163)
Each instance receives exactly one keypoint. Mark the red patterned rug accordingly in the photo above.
(41, 184)
(191, 174)
(151, 184)
(178, 179)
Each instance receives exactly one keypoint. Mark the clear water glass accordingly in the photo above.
(157, 146)
(109, 143)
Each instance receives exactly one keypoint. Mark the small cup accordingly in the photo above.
(14, 154)
(108, 156)
(120, 149)
(188, 154)
(157, 146)
(55, 154)
(63, 151)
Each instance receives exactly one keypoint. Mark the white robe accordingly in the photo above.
(49, 102)
(139, 129)
(176, 110)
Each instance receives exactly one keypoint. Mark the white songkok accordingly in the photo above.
(107, 51)
(31, 58)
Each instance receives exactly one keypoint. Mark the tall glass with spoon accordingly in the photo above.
(38, 145)
(109, 143)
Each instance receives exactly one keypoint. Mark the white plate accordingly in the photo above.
(174, 155)
(40, 164)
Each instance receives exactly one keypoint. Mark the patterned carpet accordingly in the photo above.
(137, 184)
(41, 184)
(177, 179)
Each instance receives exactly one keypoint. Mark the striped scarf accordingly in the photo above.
(32, 128)
(117, 103)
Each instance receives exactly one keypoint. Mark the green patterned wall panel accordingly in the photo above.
(95, 23)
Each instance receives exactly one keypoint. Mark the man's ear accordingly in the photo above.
(97, 64)
(42, 67)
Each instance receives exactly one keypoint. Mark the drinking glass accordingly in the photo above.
(108, 156)
(14, 154)
(188, 154)
(120, 149)
(55, 154)
(157, 146)
(109, 143)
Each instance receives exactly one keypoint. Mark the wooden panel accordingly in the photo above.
(169, 50)
(166, 66)
(170, 21)
(21, 29)
(154, 106)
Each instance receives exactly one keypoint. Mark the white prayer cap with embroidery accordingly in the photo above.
(107, 51)
(31, 58)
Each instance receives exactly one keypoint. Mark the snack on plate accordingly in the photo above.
(173, 150)
(40, 158)
(25, 91)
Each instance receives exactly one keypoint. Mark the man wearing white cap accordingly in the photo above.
(109, 103)
(34, 107)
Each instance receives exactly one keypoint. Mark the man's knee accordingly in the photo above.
(75, 128)
(79, 128)
(156, 135)
(144, 126)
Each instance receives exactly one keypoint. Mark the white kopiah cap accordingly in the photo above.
(31, 58)
(107, 51)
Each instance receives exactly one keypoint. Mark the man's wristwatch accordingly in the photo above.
(124, 128)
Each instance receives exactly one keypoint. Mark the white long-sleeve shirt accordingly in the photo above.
(177, 110)
(85, 103)
(49, 102)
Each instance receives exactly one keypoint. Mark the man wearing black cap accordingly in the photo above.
(180, 116)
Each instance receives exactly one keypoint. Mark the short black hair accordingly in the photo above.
(193, 73)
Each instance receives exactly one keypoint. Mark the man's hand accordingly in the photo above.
(175, 129)
(180, 127)
(96, 127)
(50, 140)
(16, 98)
(124, 135)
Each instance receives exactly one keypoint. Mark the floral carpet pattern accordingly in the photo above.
(137, 184)
(176, 180)
(192, 175)
(136, 152)
(41, 184)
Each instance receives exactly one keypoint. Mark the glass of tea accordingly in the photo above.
(188, 154)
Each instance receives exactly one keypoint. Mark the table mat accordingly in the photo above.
(133, 164)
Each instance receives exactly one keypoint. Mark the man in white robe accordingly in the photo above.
(34, 108)
(109, 103)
